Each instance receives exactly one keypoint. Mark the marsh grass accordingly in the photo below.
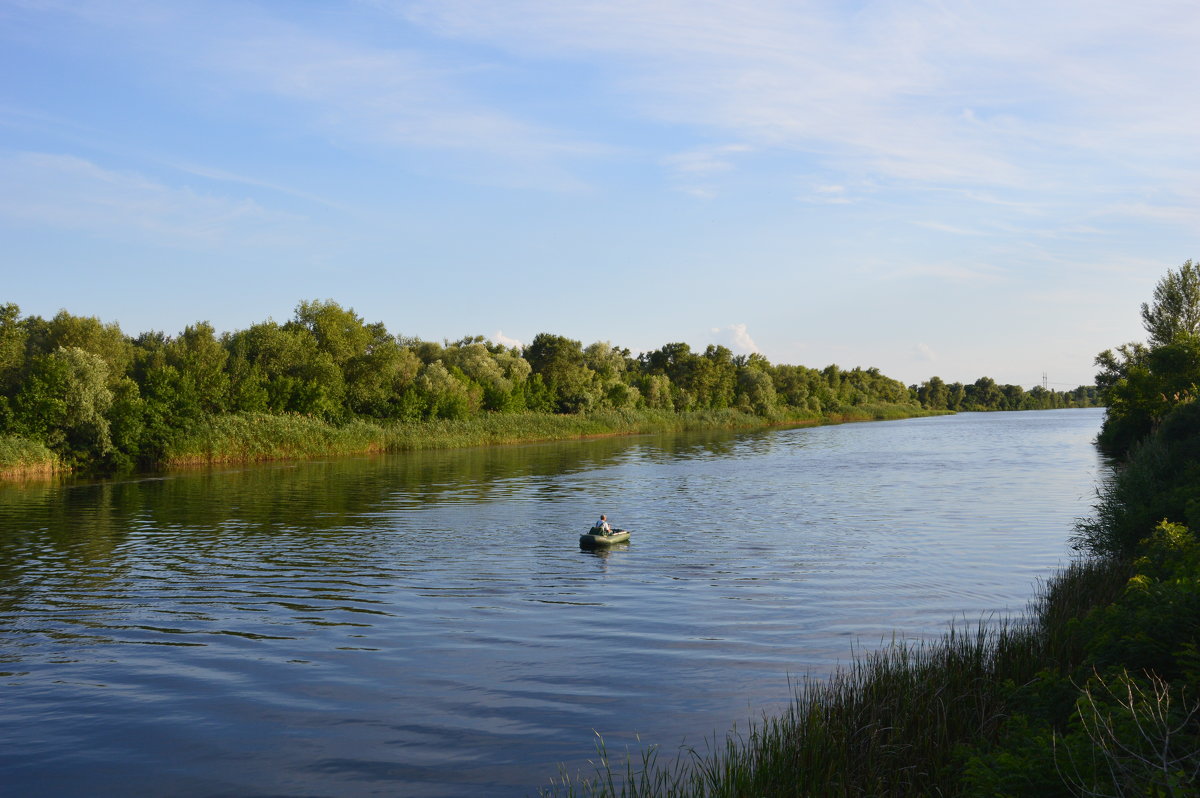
(895, 722)
(252, 437)
(21, 458)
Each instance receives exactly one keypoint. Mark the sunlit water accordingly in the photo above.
(427, 625)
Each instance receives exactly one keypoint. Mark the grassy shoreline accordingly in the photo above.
(909, 719)
(21, 459)
(262, 437)
(1093, 691)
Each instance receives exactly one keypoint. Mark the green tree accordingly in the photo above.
(378, 380)
(933, 394)
(1139, 383)
(755, 388)
(983, 394)
(288, 362)
(1175, 310)
(560, 362)
(64, 403)
(338, 331)
(91, 335)
(1013, 396)
(200, 361)
(796, 386)
(446, 394)
(13, 336)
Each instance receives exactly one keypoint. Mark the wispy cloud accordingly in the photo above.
(950, 272)
(828, 195)
(695, 171)
(401, 99)
(72, 193)
(224, 176)
(942, 227)
(983, 96)
(410, 103)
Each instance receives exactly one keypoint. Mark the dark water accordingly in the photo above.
(427, 624)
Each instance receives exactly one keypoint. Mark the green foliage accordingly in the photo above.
(985, 394)
(63, 402)
(327, 363)
(1141, 384)
(1175, 312)
(560, 363)
(1160, 480)
(1094, 692)
(13, 335)
(21, 457)
(249, 437)
(89, 334)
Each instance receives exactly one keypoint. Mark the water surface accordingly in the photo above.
(426, 624)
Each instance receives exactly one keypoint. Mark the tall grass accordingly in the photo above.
(22, 458)
(894, 723)
(528, 427)
(249, 437)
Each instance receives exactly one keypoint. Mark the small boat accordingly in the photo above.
(596, 536)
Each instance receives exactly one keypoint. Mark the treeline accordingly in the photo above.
(84, 392)
(985, 395)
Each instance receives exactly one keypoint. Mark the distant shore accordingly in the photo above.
(262, 437)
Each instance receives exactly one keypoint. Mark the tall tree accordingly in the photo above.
(12, 347)
(1175, 310)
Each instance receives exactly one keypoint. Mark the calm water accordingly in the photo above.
(427, 625)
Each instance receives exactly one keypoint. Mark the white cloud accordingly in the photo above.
(924, 353)
(735, 337)
(500, 338)
(67, 192)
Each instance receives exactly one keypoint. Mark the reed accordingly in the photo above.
(503, 428)
(251, 437)
(895, 722)
(255, 437)
(21, 458)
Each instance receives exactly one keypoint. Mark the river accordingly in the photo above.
(426, 624)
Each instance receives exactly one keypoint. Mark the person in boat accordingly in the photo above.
(603, 525)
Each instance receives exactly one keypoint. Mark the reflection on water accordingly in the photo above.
(427, 624)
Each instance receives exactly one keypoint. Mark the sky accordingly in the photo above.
(931, 188)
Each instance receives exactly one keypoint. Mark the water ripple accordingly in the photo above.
(427, 625)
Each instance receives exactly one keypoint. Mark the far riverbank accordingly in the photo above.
(263, 437)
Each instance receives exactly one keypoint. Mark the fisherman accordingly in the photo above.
(603, 524)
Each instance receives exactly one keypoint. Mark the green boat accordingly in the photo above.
(596, 536)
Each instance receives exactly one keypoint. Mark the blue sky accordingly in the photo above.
(959, 189)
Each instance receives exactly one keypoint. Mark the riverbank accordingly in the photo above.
(21, 458)
(1091, 692)
(260, 437)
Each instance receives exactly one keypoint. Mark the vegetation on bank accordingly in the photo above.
(327, 382)
(1094, 692)
(21, 457)
(255, 437)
